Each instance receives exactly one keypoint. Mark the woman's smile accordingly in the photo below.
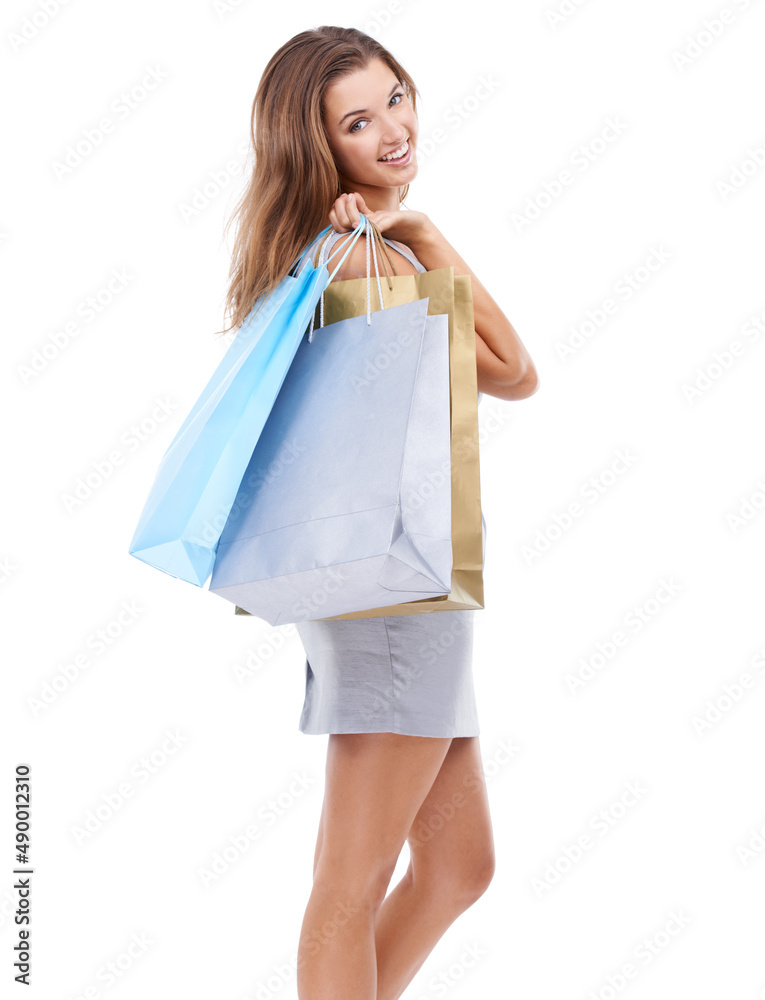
(399, 156)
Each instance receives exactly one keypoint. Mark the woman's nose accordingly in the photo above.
(395, 132)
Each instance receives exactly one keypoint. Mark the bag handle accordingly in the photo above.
(356, 233)
(381, 243)
(374, 239)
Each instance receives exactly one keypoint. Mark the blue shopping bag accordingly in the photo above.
(198, 477)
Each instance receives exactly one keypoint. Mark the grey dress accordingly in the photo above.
(408, 674)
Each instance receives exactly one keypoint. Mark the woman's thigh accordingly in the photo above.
(375, 785)
(451, 838)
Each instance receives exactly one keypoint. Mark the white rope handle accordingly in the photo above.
(325, 249)
(371, 239)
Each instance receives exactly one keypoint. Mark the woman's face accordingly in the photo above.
(367, 115)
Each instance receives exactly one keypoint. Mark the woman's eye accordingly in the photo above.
(353, 127)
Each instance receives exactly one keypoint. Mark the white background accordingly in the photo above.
(656, 713)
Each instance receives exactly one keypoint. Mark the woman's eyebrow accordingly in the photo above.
(363, 111)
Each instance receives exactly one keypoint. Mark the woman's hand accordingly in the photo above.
(407, 227)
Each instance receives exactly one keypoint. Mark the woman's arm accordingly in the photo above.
(505, 368)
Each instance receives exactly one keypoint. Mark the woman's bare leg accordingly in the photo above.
(451, 864)
(375, 785)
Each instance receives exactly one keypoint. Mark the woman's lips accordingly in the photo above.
(401, 162)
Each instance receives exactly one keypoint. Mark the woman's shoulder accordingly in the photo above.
(400, 246)
(408, 255)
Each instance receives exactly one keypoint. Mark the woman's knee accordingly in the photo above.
(455, 883)
(478, 875)
(347, 879)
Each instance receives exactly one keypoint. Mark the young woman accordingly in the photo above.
(335, 131)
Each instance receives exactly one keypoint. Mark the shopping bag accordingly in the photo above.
(451, 294)
(324, 520)
(198, 477)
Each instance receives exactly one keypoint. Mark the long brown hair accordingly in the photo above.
(294, 181)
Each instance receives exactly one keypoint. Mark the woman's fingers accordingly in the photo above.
(345, 214)
(338, 217)
(359, 206)
(351, 211)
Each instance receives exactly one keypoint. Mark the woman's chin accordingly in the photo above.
(396, 177)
